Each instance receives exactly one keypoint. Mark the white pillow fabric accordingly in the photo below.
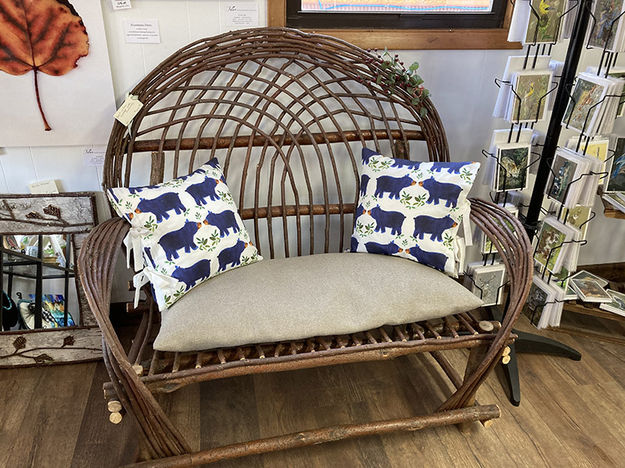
(183, 232)
(412, 209)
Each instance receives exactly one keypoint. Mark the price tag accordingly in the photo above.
(121, 4)
(128, 110)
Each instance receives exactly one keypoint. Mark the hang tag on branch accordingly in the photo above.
(128, 109)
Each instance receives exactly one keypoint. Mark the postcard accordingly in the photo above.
(530, 102)
(486, 282)
(617, 306)
(578, 218)
(551, 247)
(512, 167)
(605, 33)
(589, 290)
(583, 274)
(539, 301)
(544, 21)
(584, 106)
(564, 171)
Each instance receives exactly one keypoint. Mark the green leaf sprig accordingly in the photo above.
(394, 76)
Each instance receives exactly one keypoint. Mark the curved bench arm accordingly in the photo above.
(96, 265)
(510, 239)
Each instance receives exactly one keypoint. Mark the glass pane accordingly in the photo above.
(395, 6)
(21, 265)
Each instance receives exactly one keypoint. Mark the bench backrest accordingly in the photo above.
(286, 113)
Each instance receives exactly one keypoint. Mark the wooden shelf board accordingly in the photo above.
(610, 212)
(593, 311)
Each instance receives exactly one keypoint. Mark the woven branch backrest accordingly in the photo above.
(286, 113)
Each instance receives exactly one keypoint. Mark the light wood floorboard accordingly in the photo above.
(571, 414)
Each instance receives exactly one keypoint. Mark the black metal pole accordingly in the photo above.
(569, 71)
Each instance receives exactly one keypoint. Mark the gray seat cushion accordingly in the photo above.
(302, 297)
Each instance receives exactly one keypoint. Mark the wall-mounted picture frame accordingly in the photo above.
(53, 329)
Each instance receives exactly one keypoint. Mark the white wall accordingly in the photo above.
(461, 82)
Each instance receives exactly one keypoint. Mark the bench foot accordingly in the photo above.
(329, 434)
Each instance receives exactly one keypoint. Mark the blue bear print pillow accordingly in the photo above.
(412, 209)
(183, 232)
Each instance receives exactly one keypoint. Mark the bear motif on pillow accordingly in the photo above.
(412, 209)
(183, 231)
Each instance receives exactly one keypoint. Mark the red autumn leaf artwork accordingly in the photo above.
(46, 36)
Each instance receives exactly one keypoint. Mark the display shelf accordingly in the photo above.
(14, 264)
(25, 266)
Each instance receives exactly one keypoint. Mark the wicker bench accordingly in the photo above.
(261, 100)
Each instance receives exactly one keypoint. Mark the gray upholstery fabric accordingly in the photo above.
(302, 297)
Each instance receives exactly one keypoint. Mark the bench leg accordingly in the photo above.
(476, 356)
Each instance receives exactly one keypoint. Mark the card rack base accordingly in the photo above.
(532, 344)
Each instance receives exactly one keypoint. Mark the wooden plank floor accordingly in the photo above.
(571, 414)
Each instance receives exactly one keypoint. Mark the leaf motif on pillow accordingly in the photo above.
(364, 229)
(379, 164)
(412, 202)
(467, 176)
(448, 240)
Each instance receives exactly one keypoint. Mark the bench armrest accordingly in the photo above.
(508, 236)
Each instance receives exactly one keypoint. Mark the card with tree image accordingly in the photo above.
(544, 21)
(512, 167)
(530, 99)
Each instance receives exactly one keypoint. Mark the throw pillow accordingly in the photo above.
(412, 209)
(183, 232)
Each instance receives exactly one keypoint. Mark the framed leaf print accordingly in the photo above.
(55, 80)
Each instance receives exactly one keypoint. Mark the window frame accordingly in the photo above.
(407, 39)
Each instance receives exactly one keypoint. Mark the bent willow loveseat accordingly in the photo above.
(286, 113)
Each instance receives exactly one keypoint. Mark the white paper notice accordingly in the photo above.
(121, 4)
(43, 187)
(238, 14)
(93, 156)
(142, 31)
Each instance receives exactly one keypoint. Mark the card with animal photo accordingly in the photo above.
(544, 21)
(486, 281)
(512, 167)
(514, 65)
(551, 247)
(589, 290)
(606, 31)
(583, 274)
(578, 218)
(584, 107)
(530, 99)
(565, 169)
(539, 300)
